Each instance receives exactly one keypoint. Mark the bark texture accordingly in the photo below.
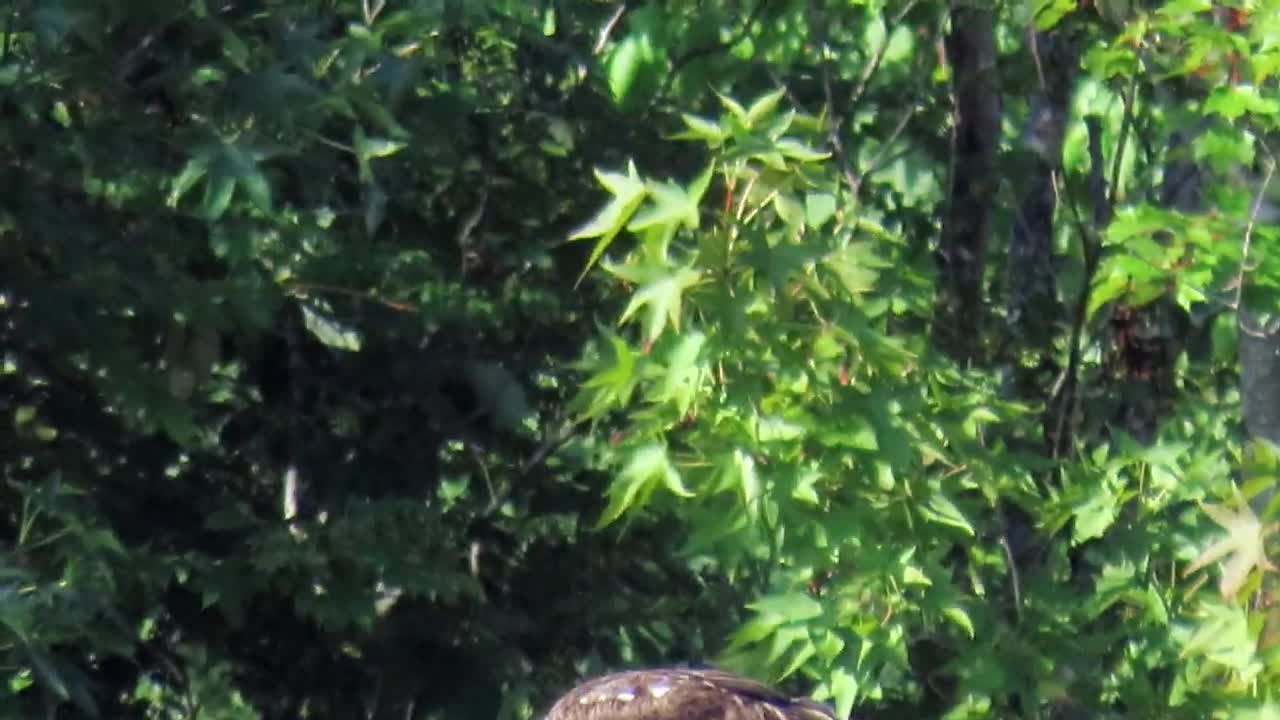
(971, 51)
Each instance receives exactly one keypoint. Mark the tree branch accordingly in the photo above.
(700, 52)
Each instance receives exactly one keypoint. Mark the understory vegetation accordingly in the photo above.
(378, 359)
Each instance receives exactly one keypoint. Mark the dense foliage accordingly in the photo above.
(412, 360)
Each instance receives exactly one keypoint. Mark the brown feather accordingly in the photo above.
(678, 694)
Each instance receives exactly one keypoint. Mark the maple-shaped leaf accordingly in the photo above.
(661, 291)
(648, 468)
(613, 378)
(1244, 543)
(628, 192)
(670, 205)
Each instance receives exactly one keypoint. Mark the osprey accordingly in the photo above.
(680, 694)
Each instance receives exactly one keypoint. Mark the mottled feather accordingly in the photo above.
(679, 694)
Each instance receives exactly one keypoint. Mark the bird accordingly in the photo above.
(681, 694)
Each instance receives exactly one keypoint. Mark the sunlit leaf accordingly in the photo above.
(735, 108)
(796, 150)
(960, 618)
(661, 299)
(329, 330)
(819, 208)
(626, 63)
(763, 106)
(628, 192)
(646, 469)
(670, 205)
(699, 128)
(941, 509)
(844, 690)
(792, 607)
(1244, 545)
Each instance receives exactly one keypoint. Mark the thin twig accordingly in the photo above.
(1089, 247)
(1035, 56)
(1067, 384)
(1247, 243)
(549, 446)
(790, 94)
(879, 157)
(860, 89)
(867, 72)
(371, 12)
(1014, 576)
(1126, 125)
(699, 52)
(607, 30)
(301, 288)
(469, 224)
(331, 143)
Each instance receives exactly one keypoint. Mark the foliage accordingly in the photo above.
(413, 359)
(910, 546)
(286, 350)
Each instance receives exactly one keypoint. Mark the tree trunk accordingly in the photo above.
(971, 50)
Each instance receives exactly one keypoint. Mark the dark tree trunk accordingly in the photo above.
(971, 50)
(1032, 303)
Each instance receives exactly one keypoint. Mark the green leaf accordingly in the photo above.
(684, 371)
(628, 192)
(258, 189)
(1108, 287)
(796, 150)
(942, 509)
(791, 607)
(217, 195)
(1245, 542)
(367, 149)
(819, 208)
(669, 205)
(734, 108)
(754, 630)
(772, 428)
(375, 147)
(698, 188)
(1048, 13)
(738, 470)
(195, 169)
(844, 691)
(625, 64)
(856, 266)
(1223, 634)
(960, 618)
(699, 128)
(647, 469)
(763, 106)
(913, 575)
(613, 381)
(790, 210)
(329, 330)
(1094, 515)
(850, 430)
(235, 50)
(663, 298)
(1233, 101)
